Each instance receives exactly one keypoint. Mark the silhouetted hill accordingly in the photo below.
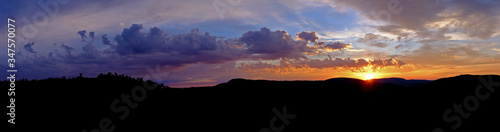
(339, 104)
(402, 82)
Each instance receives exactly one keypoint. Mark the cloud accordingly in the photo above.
(82, 33)
(333, 62)
(495, 49)
(354, 65)
(90, 52)
(450, 54)
(92, 35)
(336, 46)
(267, 44)
(136, 48)
(379, 63)
(308, 36)
(424, 21)
(375, 40)
(132, 40)
(378, 44)
(28, 47)
(267, 68)
(174, 50)
(65, 47)
(194, 45)
(478, 19)
(398, 46)
(105, 40)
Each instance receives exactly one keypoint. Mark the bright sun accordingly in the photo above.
(369, 76)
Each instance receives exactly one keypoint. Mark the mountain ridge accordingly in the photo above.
(249, 105)
(392, 80)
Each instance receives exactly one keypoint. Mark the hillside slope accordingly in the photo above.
(128, 104)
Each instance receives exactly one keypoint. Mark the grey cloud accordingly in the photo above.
(398, 46)
(477, 19)
(375, 40)
(132, 40)
(273, 44)
(308, 36)
(193, 42)
(336, 46)
(179, 49)
(378, 44)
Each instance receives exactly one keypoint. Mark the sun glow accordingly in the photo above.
(369, 76)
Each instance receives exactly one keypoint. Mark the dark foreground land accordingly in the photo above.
(118, 103)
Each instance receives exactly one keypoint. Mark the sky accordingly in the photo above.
(184, 43)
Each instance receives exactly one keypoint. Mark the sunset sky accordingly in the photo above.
(204, 42)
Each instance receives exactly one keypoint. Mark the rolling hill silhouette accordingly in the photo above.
(339, 104)
(402, 81)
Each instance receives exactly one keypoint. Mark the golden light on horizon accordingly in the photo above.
(369, 76)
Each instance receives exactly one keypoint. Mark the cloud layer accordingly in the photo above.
(100, 36)
(135, 47)
(430, 20)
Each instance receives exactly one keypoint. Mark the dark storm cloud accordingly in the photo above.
(193, 43)
(179, 49)
(28, 47)
(269, 44)
(132, 40)
(308, 36)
